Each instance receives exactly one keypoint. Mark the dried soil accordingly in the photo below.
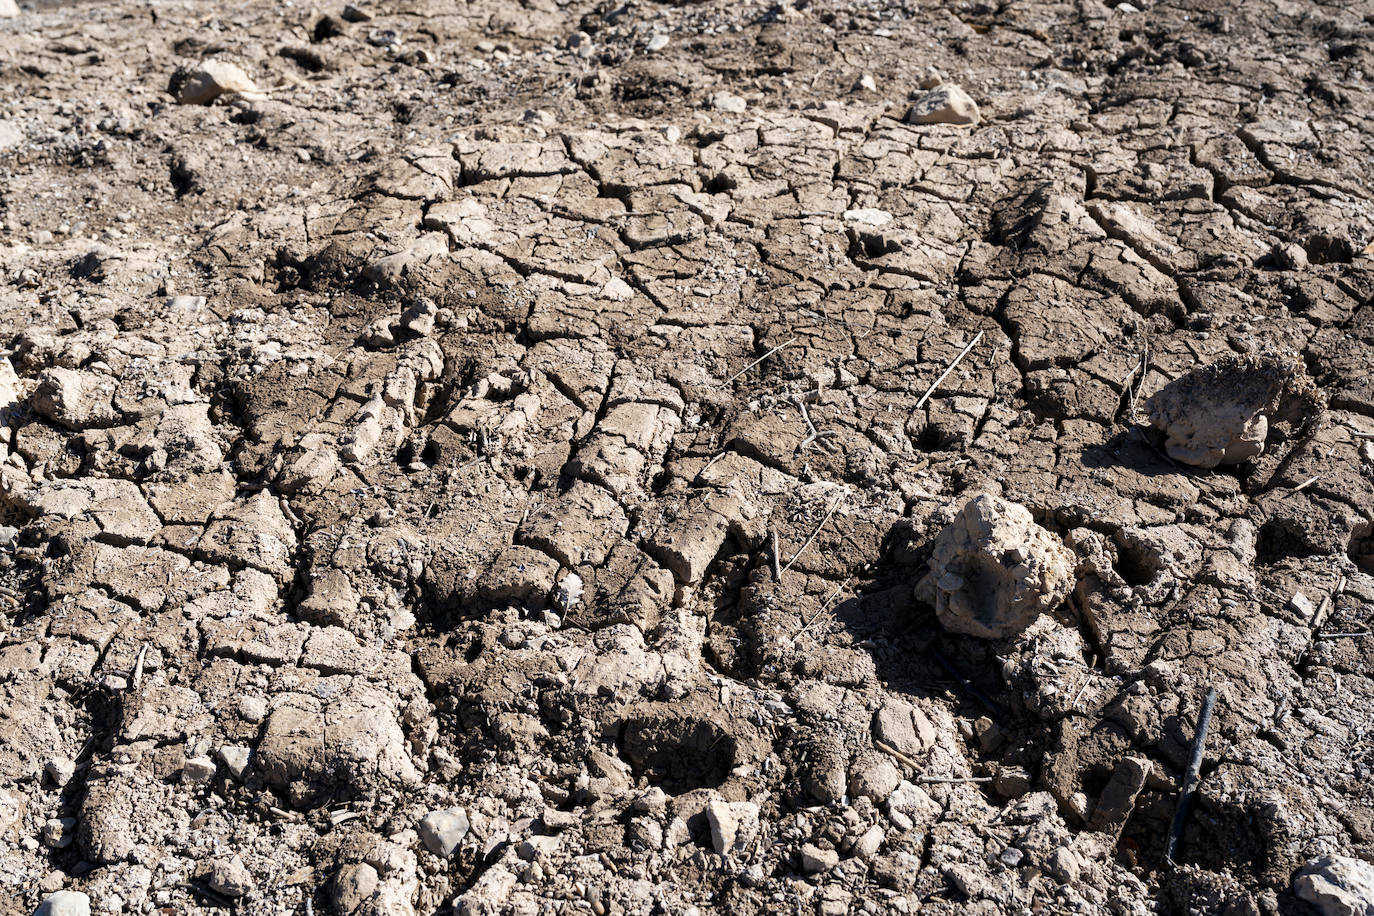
(425, 428)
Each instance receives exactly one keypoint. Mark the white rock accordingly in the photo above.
(733, 824)
(353, 885)
(59, 832)
(75, 398)
(569, 591)
(11, 812)
(65, 903)
(1337, 886)
(235, 759)
(914, 803)
(868, 216)
(442, 831)
(725, 101)
(198, 769)
(187, 304)
(252, 709)
(815, 859)
(214, 79)
(1301, 605)
(419, 317)
(8, 9)
(538, 846)
(947, 104)
(229, 877)
(867, 846)
(60, 770)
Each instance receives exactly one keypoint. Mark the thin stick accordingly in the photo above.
(1344, 635)
(789, 342)
(1328, 601)
(892, 751)
(824, 607)
(943, 375)
(1133, 389)
(777, 560)
(1305, 484)
(941, 780)
(137, 674)
(829, 512)
(1190, 778)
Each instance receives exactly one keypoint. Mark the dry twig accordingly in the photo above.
(950, 368)
(788, 342)
(1190, 778)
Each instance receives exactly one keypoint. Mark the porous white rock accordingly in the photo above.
(945, 104)
(994, 570)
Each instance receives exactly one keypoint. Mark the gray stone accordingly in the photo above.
(198, 769)
(353, 885)
(59, 832)
(947, 104)
(443, 830)
(213, 79)
(229, 877)
(867, 845)
(814, 859)
(733, 824)
(873, 776)
(903, 727)
(726, 101)
(235, 759)
(60, 770)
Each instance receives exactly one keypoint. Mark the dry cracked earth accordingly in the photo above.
(480, 457)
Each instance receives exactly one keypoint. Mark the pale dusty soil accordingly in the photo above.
(511, 549)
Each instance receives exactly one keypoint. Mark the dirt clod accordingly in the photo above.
(1221, 413)
(546, 411)
(994, 570)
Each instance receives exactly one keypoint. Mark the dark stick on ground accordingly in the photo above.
(1190, 778)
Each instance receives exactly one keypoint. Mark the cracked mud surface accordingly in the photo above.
(423, 432)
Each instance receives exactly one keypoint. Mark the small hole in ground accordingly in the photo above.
(1135, 563)
(1361, 548)
(1281, 539)
(679, 752)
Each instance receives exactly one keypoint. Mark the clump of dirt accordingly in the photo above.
(1222, 413)
(994, 570)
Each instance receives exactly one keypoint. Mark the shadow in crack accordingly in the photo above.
(1135, 450)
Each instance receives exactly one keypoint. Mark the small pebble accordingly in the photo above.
(235, 759)
(60, 770)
